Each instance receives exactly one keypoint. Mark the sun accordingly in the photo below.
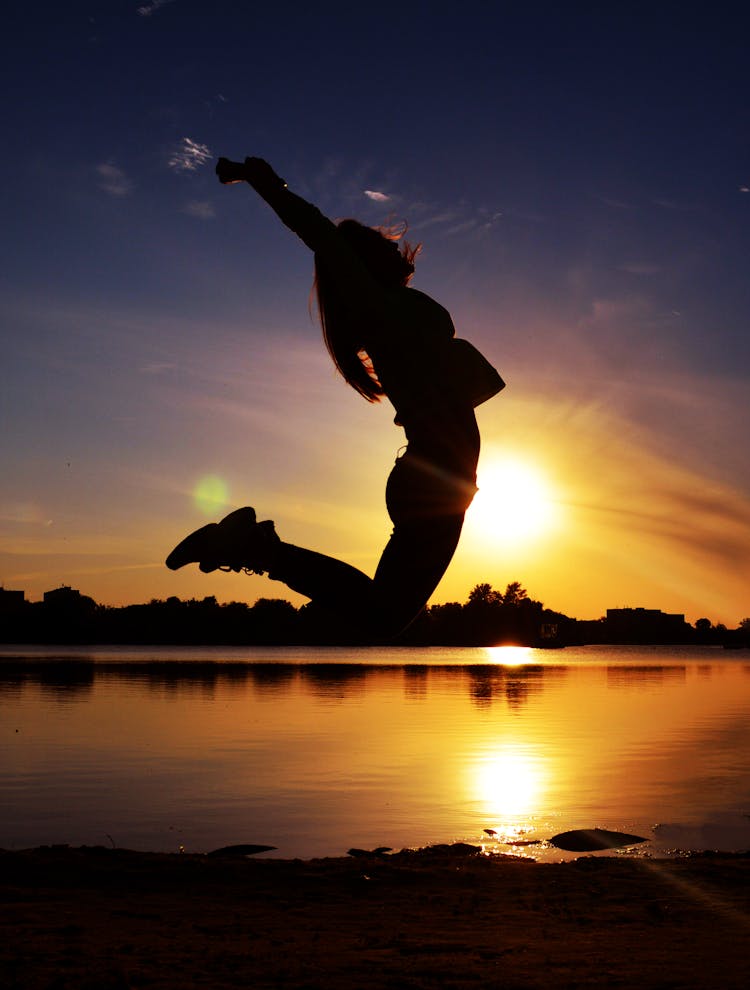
(515, 502)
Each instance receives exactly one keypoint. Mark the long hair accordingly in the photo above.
(343, 333)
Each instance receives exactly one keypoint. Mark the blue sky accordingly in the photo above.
(579, 179)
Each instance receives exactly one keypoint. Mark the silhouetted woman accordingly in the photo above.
(391, 341)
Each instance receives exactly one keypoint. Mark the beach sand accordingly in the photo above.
(80, 918)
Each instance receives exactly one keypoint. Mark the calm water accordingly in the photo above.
(317, 751)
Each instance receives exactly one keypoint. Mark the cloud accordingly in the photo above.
(113, 180)
(445, 216)
(685, 529)
(379, 197)
(189, 156)
(461, 228)
(199, 208)
(461, 218)
(149, 8)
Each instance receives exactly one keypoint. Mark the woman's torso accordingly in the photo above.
(411, 356)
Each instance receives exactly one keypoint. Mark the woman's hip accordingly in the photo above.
(421, 487)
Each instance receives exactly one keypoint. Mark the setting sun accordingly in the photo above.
(514, 503)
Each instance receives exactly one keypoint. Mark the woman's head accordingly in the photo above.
(378, 249)
(391, 267)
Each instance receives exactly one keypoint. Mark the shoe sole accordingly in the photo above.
(194, 546)
(188, 550)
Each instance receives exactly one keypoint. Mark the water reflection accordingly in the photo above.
(513, 681)
(64, 678)
(315, 758)
(509, 783)
(485, 683)
(271, 680)
(622, 676)
(336, 682)
(415, 683)
(509, 656)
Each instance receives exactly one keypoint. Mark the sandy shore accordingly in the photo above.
(74, 919)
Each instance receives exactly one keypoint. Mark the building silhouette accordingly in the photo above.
(645, 625)
(11, 602)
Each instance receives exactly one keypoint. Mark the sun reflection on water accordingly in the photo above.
(508, 656)
(509, 782)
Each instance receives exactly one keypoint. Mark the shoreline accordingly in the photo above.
(78, 918)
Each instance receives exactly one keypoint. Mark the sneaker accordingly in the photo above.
(237, 543)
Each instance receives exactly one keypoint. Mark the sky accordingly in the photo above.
(579, 177)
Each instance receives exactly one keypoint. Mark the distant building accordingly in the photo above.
(62, 595)
(67, 599)
(11, 602)
(645, 625)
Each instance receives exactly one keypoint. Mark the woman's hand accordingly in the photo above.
(260, 174)
(230, 171)
(256, 171)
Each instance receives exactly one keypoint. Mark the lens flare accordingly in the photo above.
(210, 494)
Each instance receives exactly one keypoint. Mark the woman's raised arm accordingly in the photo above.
(306, 220)
(318, 232)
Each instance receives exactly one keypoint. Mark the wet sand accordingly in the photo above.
(104, 919)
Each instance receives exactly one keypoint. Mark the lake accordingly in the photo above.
(317, 750)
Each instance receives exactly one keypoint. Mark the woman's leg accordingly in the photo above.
(346, 603)
(427, 507)
(412, 565)
(340, 595)
(325, 580)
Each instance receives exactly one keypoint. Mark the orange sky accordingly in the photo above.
(621, 515)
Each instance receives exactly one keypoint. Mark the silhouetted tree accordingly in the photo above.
(273, 620)
(514, 594)
(484, 594)
(488, 617)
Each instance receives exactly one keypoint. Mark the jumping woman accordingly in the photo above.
(388, 341)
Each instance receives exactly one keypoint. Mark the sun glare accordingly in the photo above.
(509, 782)
(508, 656)
(514, 503)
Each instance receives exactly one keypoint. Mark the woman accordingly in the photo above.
(387, 340)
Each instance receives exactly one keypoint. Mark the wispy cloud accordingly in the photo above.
(149, 8)
(441, 216)
(113, 180)
(462, 227)
(189, 156)
(461, 218)
(199, 208)
(338, 183)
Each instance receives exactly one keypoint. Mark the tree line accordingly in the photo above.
(488, 617)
